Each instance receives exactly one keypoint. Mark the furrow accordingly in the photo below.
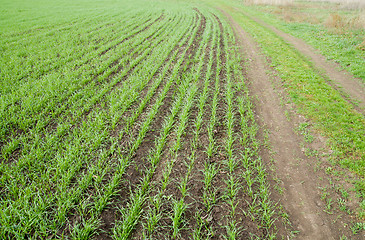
(110, 188)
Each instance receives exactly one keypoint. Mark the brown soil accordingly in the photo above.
(301, 196)
(340, 79)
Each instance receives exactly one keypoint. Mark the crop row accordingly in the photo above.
(57, 154)
(141, 128)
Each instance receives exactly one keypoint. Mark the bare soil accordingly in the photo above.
(299, 180)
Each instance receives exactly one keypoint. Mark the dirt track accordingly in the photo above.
(339, 79)
(301, 196)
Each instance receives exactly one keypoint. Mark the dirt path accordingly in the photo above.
(342, 80)
(300, 183)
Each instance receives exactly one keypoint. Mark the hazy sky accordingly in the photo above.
(350, 2)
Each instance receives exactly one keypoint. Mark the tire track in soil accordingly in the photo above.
(299, 181)
(341, 80)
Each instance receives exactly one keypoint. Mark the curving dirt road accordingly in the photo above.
(301, 196)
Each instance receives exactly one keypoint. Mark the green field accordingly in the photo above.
(126, 119)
